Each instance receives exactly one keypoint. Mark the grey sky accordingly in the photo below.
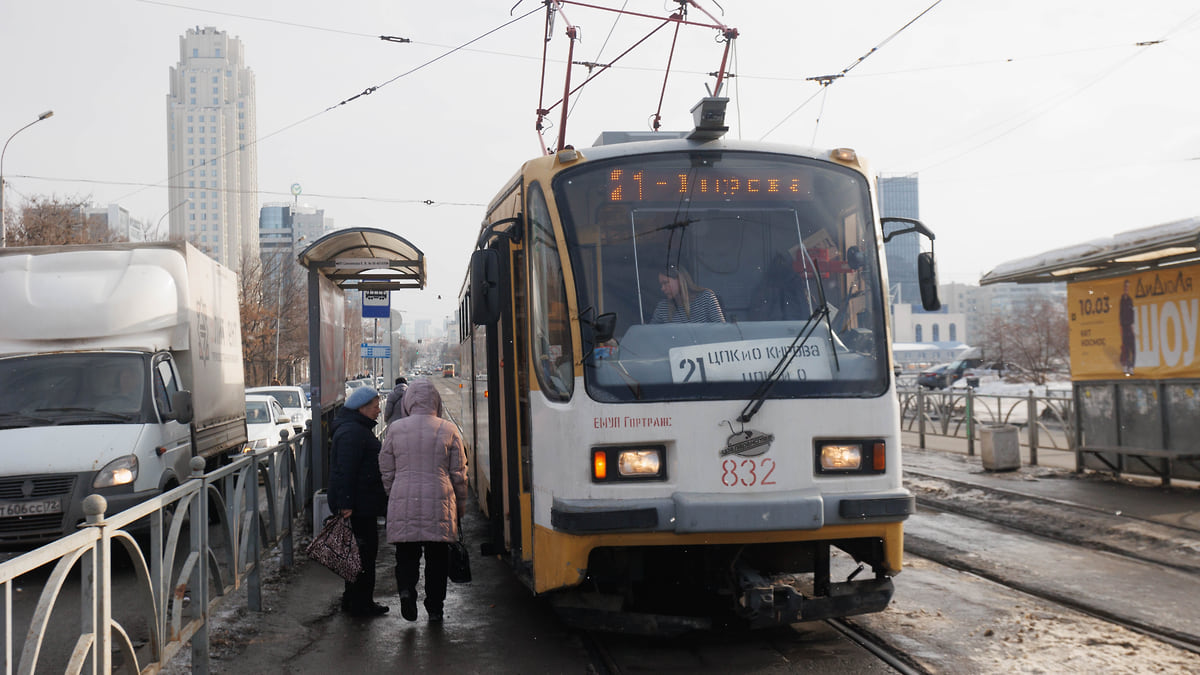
(1033, 125)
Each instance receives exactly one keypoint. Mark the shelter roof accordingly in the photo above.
(1171, 243)
(365, 258)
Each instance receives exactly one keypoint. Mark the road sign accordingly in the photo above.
(370, 351)
(376, 304)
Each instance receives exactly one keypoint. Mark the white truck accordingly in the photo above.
(118, 364)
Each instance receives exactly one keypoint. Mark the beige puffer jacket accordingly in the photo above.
(424, 470)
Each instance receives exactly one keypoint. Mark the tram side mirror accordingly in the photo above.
(485, 287)
(603, 327)
(927, 278)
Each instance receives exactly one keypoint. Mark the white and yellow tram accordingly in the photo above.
(649, 458)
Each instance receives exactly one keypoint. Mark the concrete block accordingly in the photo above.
(1000, 447)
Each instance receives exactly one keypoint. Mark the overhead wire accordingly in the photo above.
(175, 5)
(826, 80)
(597, 61)
(1039, 110)
(365, 92)
(388, 200)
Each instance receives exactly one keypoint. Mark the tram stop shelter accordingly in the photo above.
(1133, 309)
(358, 259)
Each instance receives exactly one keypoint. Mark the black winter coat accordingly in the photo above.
(354, 479)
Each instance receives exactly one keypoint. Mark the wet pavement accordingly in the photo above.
(495, 625)
(492, 625)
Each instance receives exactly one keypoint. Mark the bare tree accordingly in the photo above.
(258, 321)
(1035, 340)
(54, 221)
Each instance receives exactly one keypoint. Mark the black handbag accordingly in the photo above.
(459, 568)
(336, 548)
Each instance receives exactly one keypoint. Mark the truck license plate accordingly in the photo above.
(30, 508)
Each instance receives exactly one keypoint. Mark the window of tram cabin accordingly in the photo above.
(783, 244)
(550, 327)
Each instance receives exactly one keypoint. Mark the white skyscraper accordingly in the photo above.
(212, 159)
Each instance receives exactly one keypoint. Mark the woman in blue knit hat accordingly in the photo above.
(356, 491)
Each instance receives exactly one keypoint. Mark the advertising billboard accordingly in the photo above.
(1141, 325)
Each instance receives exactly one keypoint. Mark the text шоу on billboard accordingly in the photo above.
(1141, 325)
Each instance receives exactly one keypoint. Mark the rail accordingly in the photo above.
(178, 565)
(1048, 421)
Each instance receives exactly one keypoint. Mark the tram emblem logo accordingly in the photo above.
(747, 444)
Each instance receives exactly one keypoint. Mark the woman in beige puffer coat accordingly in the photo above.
(424, 472)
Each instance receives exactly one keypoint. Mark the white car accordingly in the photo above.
(265, 420)
(293, 401)
(351, 385)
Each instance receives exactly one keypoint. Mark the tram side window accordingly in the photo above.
(550, 328)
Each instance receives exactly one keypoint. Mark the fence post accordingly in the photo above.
(970, 422)
(254, 579)
(1033, 429)
(921, 417)
(96, 585)
(287, 474)
(199, 582)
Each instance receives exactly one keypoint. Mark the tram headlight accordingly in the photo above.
(850, 456)
(639, 463)
(610, 464)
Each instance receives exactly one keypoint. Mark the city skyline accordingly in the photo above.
(1021, 120)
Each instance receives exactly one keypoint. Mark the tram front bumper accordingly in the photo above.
(691, 512)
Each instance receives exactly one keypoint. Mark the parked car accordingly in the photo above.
(933, 378)
(351, 385)
(292, 399)
(265, 420)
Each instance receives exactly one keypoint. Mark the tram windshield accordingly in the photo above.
(721, 268)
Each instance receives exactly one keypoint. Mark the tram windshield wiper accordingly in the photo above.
(822, 313)
(802, 336)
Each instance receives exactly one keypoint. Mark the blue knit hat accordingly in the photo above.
(360, 397)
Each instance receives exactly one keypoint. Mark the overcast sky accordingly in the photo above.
(1031, 124)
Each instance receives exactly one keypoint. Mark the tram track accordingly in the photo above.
(1142, 539)
(879, 647)
(941, 555)
(782, 643)
(1016, 494)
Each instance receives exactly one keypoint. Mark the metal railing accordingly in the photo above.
(1048, 421)
(181, 574)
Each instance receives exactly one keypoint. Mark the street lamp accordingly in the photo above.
(164, 216)
(3, 226)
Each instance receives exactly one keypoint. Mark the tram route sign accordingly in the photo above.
(376, 304)
(370, 351)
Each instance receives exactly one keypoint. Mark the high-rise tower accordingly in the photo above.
(898, 196)
(212, 159)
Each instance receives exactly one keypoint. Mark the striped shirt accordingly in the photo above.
(705, 309)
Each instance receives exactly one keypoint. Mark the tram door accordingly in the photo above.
(508, 407)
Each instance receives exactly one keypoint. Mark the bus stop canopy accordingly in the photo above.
(1163, 245)
(366, 259)
(356, 259)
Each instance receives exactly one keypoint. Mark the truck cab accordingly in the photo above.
(119, 363)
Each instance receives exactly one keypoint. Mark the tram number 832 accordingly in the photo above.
(747, 472)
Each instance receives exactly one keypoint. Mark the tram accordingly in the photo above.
(689, 414)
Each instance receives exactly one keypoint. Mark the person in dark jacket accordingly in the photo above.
(356, 491)
(393, 410)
